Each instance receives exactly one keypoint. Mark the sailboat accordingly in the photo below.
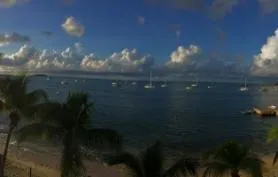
(195, 84)
(164, 85)
(245, 88)
(150, 85)
(116, 84)
(133, 83)
(210, 85)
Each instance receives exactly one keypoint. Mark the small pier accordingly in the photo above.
(265, 112)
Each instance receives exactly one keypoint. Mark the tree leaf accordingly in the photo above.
(131, 161)
(92, 138)
(40, 131)
(184, 167)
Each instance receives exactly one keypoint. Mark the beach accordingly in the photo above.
(20, 160)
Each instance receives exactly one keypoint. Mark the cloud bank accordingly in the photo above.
(184, 59)
(74, 58)
(72, 27)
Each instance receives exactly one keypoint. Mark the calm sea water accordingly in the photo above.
(186, 121)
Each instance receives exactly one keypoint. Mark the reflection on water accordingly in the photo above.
(186, 121)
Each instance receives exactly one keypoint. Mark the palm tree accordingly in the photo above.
(71, 124)
(232, 158)
(150, 164)
(18, 102)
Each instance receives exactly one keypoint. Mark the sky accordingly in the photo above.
(209, 37)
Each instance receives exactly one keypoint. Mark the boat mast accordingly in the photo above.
(150, 78)
(245, 83)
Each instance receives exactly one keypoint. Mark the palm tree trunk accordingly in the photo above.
(7, 147)
(235, 174)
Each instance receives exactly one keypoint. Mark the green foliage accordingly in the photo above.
(150, 164)
(273, 135)
(231, 158)
(70, 123)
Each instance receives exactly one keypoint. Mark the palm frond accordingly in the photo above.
(152, 160)
(129, 160)
(93, 138)
(252, 165)
(48, 111)
(231, 153)
(272, 135)
(39, 131)
(3, 106)
(36, 96)
(184, 167)
(216, 169)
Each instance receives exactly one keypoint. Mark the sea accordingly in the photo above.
(185, 121)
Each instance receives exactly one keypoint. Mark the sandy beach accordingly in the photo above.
(20, 161)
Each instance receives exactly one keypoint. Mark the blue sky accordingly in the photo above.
(111, 26)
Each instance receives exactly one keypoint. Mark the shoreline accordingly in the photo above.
(47, 165)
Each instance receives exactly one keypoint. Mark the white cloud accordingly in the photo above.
(191, 60)
(266, 62)
(6, 39)
(184, 59)
(73, 27)
(18, 58)
(268, 6)
(10, 3)
(124, 61)
(183, 55)
(75, 58)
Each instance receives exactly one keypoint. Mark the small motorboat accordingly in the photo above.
(64, 82)
(271, 107)
(163, 85)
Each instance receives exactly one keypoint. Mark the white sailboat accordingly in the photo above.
(210, 85)
(164, 85)
(133, 83)
(245, 88)
(195, 84)
(150, 85)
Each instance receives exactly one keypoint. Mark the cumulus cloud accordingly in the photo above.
(268, 6)
(18, 58)
(74, 58)
(35, 59)
(10, 3)
(73, 27)
(191, 60)
(266, 62)
(183, 55)
(221, 8)
(6, 39)
(124, 61)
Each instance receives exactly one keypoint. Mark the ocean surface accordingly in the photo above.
(186, 121)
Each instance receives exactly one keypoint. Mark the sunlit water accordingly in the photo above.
(186, 121)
